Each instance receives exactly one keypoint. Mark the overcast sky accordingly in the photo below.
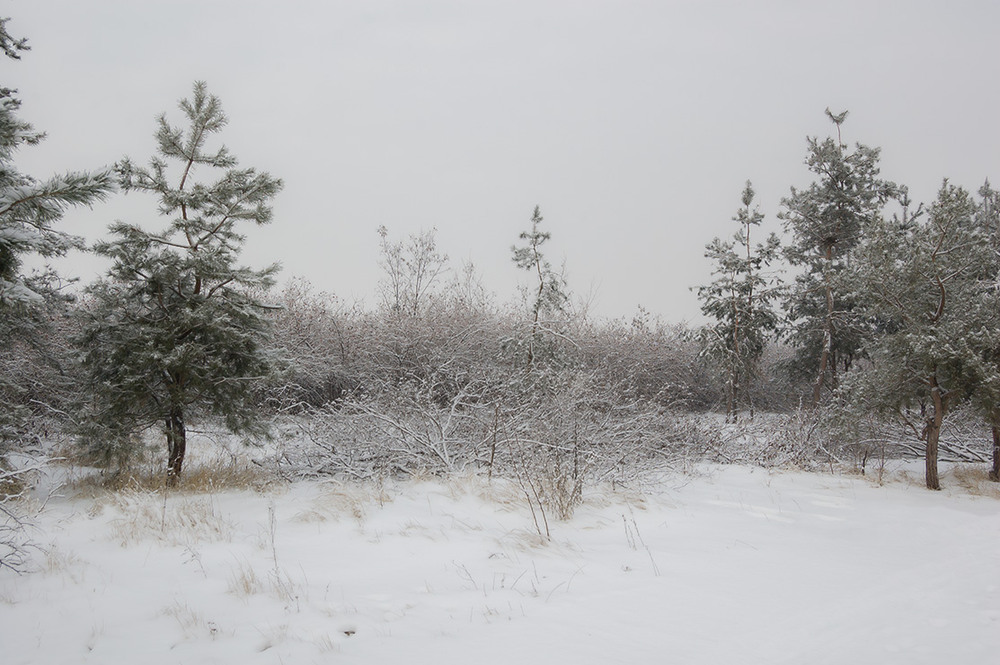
(633, 124)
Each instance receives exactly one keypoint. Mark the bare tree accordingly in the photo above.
(412, 269)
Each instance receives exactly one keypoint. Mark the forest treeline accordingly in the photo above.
(869, 328)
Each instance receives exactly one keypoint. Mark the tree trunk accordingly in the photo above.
(176, 446)
(824, 358)
(995, 472)
(931, 454)
(734, 367)
(537, 314)
(731, 388)
(823, 361)
(933, 434)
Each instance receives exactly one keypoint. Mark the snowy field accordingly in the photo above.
(720, 565)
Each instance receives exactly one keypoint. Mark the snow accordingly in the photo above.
(719, 565)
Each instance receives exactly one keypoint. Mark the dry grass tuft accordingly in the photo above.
(500, 492)
(604, 495)
(345, 499)
(231, 475)
(524, 540)
(192, 624)
(59, 561)
(244, 581)
(175, 521)
(325, 643)
(970, 479)
(973, 479)
(215, 475)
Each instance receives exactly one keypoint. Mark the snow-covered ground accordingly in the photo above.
(721, 565)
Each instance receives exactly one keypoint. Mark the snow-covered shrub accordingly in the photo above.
(449, 386)
(768, 440)
(317, 344)
(16, 517)
(553, 431)
(647, 359)
(858, 438)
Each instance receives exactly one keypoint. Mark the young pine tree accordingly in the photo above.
(826, 221)
(740, 300)
(549, 296)
(176, 327)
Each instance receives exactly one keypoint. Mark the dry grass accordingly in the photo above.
(325, 643)
(966, 479)
(209, 477)
(61, 562)
(524, 540)
(215, 461)
(500, 492)
(172, 520)
(973, 479)
(244, 581)
(193, 625)
(12, 482)
(274, 636)
(345, 499)
(507, 495)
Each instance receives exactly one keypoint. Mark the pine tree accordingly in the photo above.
(29, 209)
(176, 328)
(740, 300)
(987, 395)
(826, 221)
(549, 297)
(928, 284)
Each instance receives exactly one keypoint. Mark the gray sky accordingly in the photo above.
(633, 124)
